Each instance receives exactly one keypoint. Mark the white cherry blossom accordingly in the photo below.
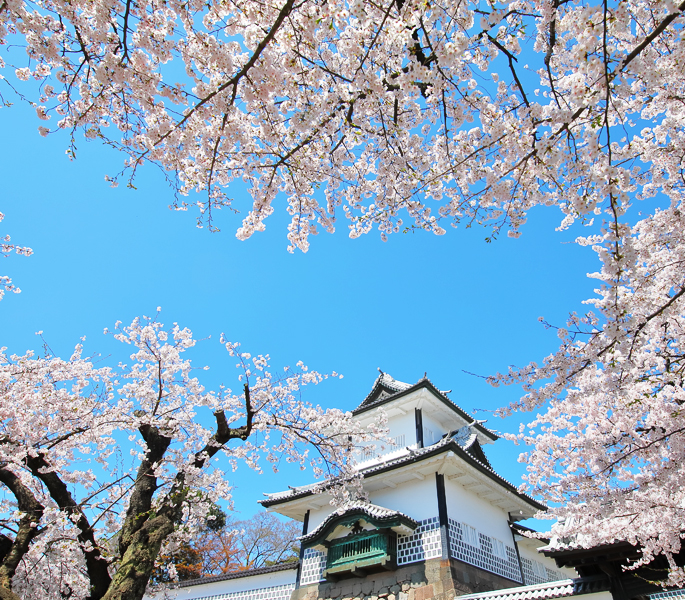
(88, 521)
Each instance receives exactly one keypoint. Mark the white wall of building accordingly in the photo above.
(466, 507)
(598, 596)
(402, 432)
(403, 425)
(318, 516)
(416, 499)
(529, 549)
(433, 430)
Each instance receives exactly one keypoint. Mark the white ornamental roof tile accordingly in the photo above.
(542, 591)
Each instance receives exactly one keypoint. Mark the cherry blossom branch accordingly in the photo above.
(233, 81)
(96, 564)
(27, 528)
(659, 311)
(656, 32)
(511, 58)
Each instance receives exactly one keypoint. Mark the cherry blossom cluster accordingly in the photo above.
(609, 443)
(397, 115)
(6, 248)
(79, 510)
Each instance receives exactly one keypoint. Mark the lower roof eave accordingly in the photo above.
(542, 591)
(522, 501)
(285, 566)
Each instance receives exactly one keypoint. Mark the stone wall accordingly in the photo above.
(435, 579)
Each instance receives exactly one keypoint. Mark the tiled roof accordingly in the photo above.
(670, 595)
(386, 383)
(372, 510)
(445, 444)
(238, 574)
(386, 388)
(542, 591)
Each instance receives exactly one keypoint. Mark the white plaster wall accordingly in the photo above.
(232, 585)
(397, 425)
(433, 425)
(416, 499)
(317, 516)
(598, 596)
(403, 424)
(467, 507)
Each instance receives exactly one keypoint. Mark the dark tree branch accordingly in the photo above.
(550, 52)
(511, 58)
(27, 529)
(224, 433)
(652, 36)
(124, 42)
(96, 564)
(145, 486)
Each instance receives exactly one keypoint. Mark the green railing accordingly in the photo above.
(362, 552)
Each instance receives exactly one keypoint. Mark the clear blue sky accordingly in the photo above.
(418, 303)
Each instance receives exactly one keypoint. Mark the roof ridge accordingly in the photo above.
(283, 566)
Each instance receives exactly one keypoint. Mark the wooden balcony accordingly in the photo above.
(361, 553)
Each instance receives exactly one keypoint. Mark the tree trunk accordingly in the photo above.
(133, 574)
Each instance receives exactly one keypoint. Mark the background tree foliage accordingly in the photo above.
(226, 545)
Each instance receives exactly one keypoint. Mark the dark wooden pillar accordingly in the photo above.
(305, 525)
(442, 515)
(516, 547)
(418, 418)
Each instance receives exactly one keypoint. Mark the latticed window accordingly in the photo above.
(498, 549)
(471, 536)
(361, 552)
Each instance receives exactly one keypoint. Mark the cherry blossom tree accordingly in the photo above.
(78, 519)
(440, 112)
(609, 444)
(264, 539)
(235, 545)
